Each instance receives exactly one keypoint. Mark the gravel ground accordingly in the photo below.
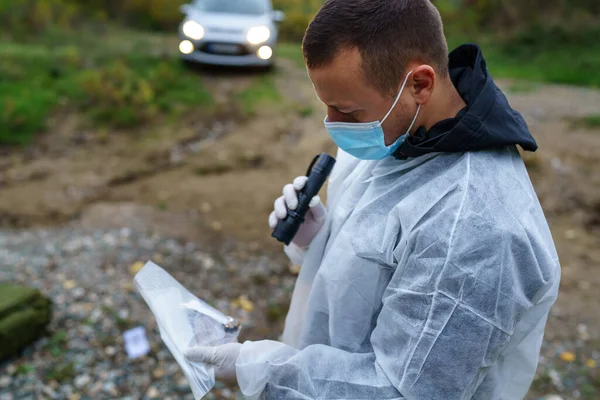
(88, 276)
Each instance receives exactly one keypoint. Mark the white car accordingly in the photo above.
(229, 32)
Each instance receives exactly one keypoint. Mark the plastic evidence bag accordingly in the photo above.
(185, 321)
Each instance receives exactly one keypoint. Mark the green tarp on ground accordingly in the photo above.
(24, 315)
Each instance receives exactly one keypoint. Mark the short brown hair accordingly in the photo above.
(389, 34)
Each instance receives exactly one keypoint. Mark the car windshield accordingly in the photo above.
(251, 7)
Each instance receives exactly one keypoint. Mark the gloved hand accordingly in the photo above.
(315, 217)
(222, 357)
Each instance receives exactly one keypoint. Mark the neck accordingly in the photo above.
(446, 103)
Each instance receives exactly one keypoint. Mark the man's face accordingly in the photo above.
(342, 87)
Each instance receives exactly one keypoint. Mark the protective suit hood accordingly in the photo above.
(486, 122)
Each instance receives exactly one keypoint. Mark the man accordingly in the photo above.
(432, 270)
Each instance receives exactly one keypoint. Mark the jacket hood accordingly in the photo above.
(486, 122)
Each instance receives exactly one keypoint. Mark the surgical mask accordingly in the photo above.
(365, 140)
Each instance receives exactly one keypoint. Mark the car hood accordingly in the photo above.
(229, 22)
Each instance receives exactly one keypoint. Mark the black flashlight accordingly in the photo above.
(317, 173)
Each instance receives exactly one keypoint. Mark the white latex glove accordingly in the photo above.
(314, 219)
(222, 357)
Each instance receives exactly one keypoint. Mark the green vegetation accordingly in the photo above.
(91, 57)
(291, 51)
(62, 372)
(522, 87)
(128, 92)
(24, 369)
(260, 93)
(118, 85)
(306, 111)
(57, 343)
(587, 122)
(299, 13)
(519, 39)
(550, 53)
(573, 64)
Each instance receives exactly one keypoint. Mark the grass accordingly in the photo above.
(538, 54)
(61, 373)
(564, 66)
(306, 111)
(291, 51)
(121, 80)
(523, 87)
(261, 93)
(57, 343)
(587, 122)
(31, 84)
(124, 79)
(24, 369)
(550, 53)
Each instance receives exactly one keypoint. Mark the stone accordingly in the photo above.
(153, 392)
(583, 332)
(173, 368)
(49, 392)
(5, 381)
(95, 389)
(69, 284)
(86, 330)
(182, 385)
(158, 373)
(96, 315)
(110, 388)
(82, 380)
(67, 391)
(556, 379)
(78, 292)
(110, 351)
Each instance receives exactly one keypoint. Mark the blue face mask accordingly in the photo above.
(366, 140)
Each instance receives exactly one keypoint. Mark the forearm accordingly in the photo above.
(279, 371)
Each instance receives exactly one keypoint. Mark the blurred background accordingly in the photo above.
(118, 146)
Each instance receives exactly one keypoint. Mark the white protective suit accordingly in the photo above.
(432, 278)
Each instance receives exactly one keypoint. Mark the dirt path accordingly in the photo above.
(227, 169)
(215, 178)
(566, 175)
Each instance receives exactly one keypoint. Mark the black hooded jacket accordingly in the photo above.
(486, 122)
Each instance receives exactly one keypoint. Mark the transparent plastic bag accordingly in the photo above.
(185, 321)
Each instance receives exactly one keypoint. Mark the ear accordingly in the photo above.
(424, 80)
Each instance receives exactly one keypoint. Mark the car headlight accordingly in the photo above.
(193, 30)
(258, 35)
(186, 47)
(265, 53)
